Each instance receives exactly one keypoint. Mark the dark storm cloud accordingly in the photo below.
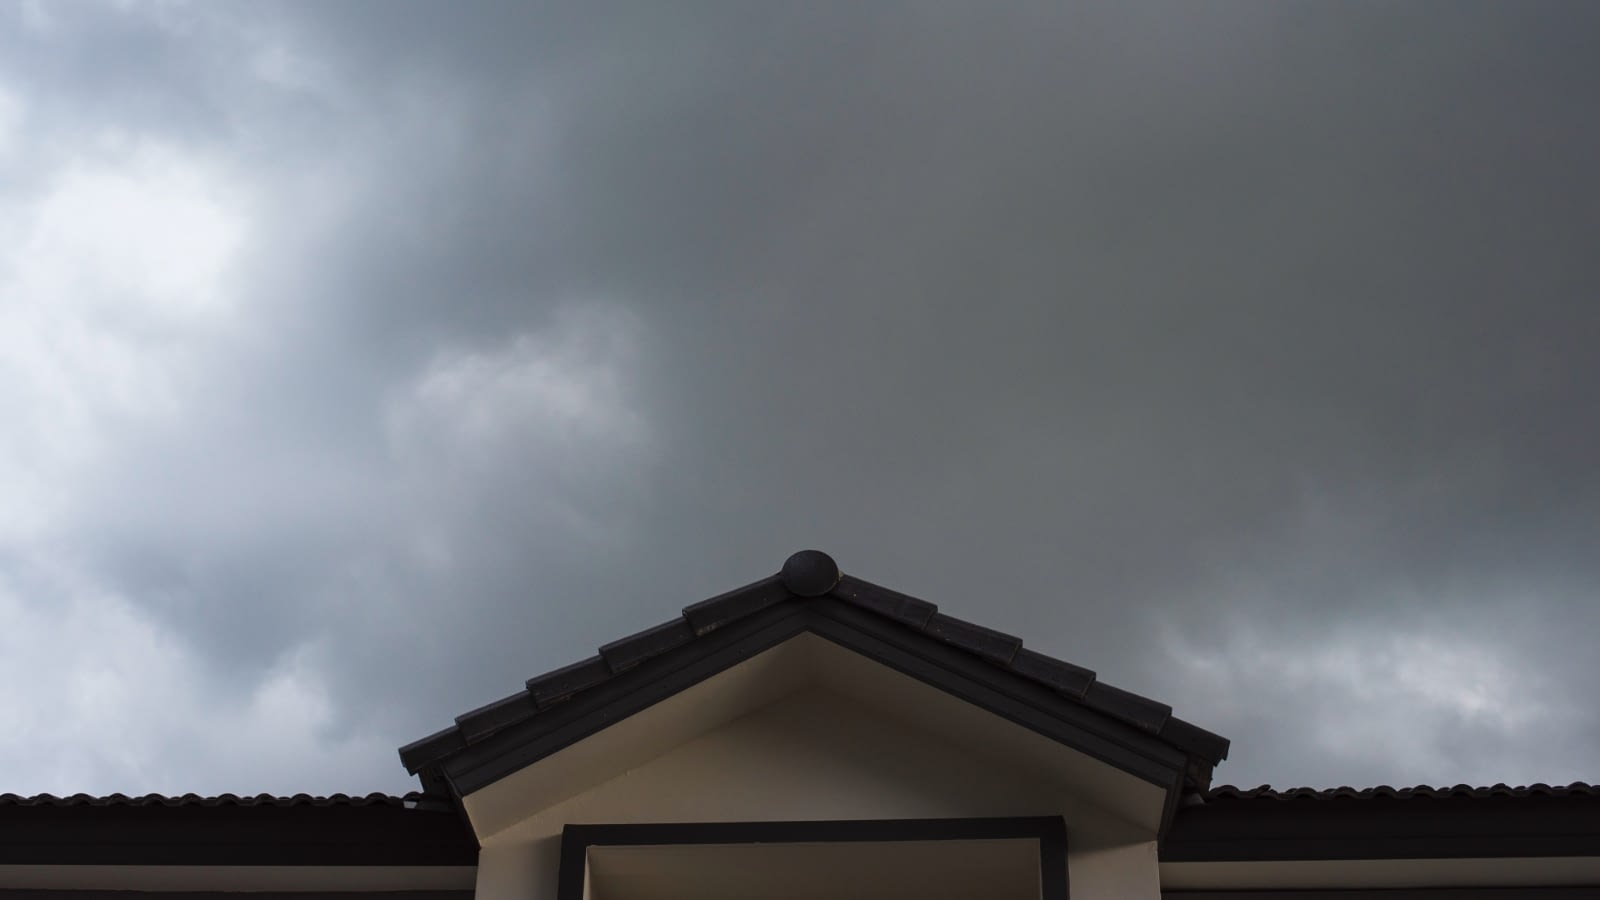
(1238, 352)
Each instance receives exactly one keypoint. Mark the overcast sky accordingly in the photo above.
(359, 361)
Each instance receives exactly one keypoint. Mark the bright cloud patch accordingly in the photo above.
(113, 278)
(153, 233)
(542, 421)
(557, 394)
(117, 703)
(1416, 705)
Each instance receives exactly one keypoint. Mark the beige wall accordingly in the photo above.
(816, 755)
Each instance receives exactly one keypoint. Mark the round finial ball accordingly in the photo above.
(810, 573)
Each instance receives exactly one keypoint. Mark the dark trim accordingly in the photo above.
(1394, 894)
(1461, 893)
(1049, 831)
(1376, 828)
(234, 836)
(1169, 807)
(1053, 876)
(852, 831)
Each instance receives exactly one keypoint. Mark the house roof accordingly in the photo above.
(1226, 792)
(406, 801)
(1226, 823)
(1262, 824)
(228, 830)
(811, 583)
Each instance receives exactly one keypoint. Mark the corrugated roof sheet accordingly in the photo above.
(232, 830)
(375, 799)
(1385, 792)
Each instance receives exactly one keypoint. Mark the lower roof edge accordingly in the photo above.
(255, 879)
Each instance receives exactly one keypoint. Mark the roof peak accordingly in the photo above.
(809, 573)
(812, 580)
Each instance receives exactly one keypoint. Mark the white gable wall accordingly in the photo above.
(811, 753)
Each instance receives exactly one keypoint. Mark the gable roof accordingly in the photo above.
(1058, 699)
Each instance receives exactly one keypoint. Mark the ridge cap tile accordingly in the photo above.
(555, 686)
(1135, 709)
(1211, 746)
(1066, 678)
(712, 613)
(479, 723)
(891, 604)
(422, 751)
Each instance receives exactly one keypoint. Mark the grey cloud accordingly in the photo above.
(1084, 323)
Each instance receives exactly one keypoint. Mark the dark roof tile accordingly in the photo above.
(1065, 677)
(553, 687)
(1194, 738)
(709, 615)
(635, 649)
(438, 745)
(995, 646)
(890, 604)
(489, 718)
(1141, 712)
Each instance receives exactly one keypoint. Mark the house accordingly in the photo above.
(813, 735)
